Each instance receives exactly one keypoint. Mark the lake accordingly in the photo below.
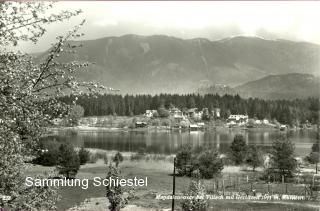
(168, 142)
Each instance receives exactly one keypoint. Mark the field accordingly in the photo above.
(159, 173)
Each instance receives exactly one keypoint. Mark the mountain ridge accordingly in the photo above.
(161, 63)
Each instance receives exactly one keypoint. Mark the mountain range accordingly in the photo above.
(286, 86)
(159, 63)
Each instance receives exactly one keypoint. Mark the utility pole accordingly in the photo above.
(173, 183)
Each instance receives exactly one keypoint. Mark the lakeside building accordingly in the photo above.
(176, 113)
(195, 113)
(237, 119)
(150, 113)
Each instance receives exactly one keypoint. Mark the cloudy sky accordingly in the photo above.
(298, 21)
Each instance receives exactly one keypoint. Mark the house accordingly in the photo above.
(150, 113)
(176, 113)
(201, 124)
(195, 113)
(283, 127)
(237, 119)
(141, 124)
(194, 127)
(257, 121)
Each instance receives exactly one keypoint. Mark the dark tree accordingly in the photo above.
(314, 156)
(118, 158)
(254, 157)
(184, 163)
(48, 153)
(84, 155)
(282, 157)
(209, 164)
(163, 112)
(68, 161)
(238, 149)
(115, 193)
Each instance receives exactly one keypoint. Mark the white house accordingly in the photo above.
(176, 113)
(237, 119)
(150, 113)
(257, 121)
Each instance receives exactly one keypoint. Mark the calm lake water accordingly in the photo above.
(168, 142)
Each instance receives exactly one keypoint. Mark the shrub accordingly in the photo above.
(84, 155)
(71, 132)
(206, 162)
(93, 158)
(48, 153)
(197, 200)
(118, 158)
(209, 164)
(139, 155)
(68, 161)
(116, 193)
(163, 112)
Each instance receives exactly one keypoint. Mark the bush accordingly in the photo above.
(118, 158)
(197, 200)
(68, 161)
(122, 124)
(163, 112)
(93, 158)
(209, 164)
(139, 155)
(48, 153)
(84, 155)
(116, 193)
(71, 132)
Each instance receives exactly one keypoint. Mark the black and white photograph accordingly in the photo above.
(159, 105)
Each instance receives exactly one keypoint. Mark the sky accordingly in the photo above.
(292, 20)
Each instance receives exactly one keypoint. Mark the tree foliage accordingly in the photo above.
(84, 155)
(238, 149)
(196, 200)
(205, 161)
(48, 153)
(184, 161)
(118, 158)
(284, 111)
(254, 157)
(282, 157)
(68, 161)
(116, 193)
(74, 115)
(209, 164)
(163, 112)
(28, 96)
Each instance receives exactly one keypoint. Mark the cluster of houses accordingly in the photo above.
(193, 113)
(241, 120)
(182, 118)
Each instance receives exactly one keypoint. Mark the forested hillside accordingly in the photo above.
(285, 111)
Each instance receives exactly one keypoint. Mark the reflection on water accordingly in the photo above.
(168, 142)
